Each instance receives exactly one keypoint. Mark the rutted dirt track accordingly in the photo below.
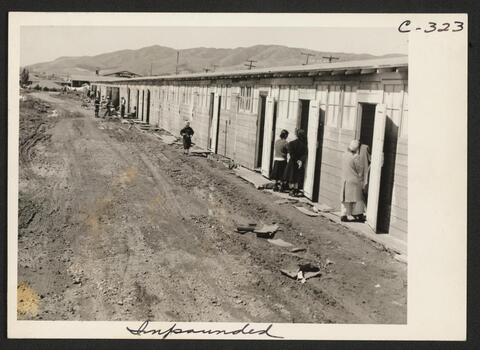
(116, 225)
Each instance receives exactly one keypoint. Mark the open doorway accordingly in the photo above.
(210, 122)
(302, 123)
(115, 97)
(386, 170)
(260, 130)
(217, 115)
(274, 125)
(138, 104)
(366, 124)
(318, 156)
(148, 107)
(128, 101)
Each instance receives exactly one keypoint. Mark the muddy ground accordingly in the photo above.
(116, 225)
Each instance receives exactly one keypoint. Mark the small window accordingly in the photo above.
(246, 98)
(349, 111)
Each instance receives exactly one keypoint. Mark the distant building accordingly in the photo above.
(76, 81)
(117, 73)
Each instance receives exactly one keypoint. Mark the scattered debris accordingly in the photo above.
(298, 249)
(303, 272)
(244, 229)
(377, 286)
(306, 211)
(280, 242)
(266, 231)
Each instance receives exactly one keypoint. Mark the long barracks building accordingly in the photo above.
(239, 114)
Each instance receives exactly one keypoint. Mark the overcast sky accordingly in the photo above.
(46, 43)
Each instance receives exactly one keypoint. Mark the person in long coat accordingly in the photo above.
(295, 170)
(352, 183)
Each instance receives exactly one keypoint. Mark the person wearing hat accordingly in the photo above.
(352, 180)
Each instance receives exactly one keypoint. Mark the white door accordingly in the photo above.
(214, 124)
(376, 165)
(268, 135)
(313, 119)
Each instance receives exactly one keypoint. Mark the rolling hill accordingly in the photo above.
(162, 60)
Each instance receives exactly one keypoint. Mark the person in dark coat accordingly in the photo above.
(97, 107)
(352, 184)
(280, 161)
(295, 170)
(187, 133)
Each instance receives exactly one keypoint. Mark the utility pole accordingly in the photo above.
(308, 56)
(250, 64)
(214, 66)
(176, 66)
(330, 58)
(151, 64)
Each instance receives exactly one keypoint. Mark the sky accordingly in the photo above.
(46, 43)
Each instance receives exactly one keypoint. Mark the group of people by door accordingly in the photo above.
(288, 172)
(110, 109)
(289, 163)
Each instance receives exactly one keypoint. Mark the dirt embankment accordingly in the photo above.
(126, 227)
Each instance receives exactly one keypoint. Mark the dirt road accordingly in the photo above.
(116, 225)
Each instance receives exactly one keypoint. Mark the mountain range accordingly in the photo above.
(160, 60)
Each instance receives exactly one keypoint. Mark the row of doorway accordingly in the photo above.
(374, 129)
(371, 126)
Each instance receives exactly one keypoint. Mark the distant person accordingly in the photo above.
(295, 170)
(187, 133)
(109, 107)
(280, 161)
(352, 179)
(97, 107)
(123, 103)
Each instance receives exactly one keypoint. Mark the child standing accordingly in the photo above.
(187, 133)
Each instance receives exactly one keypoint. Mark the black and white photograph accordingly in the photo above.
(238, 174)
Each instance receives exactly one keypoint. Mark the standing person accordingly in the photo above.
(123, 103)
(352, 179)
(109, 106)
(97, 107)
(280, 161)
(295, 170)
(364, 160)
(187, 133)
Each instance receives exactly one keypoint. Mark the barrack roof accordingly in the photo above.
(347, 67)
